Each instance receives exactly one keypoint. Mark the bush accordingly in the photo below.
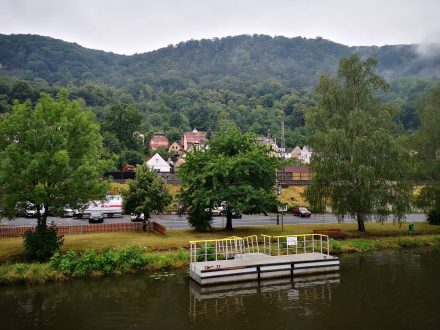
(434, 217)
(40, 245)
(363, 245)
(199, 218)
(109, 261)
(335, 246)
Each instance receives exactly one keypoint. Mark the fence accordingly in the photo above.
(87, 229)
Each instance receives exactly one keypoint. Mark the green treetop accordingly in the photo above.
(147, 193)
(425, 147)
(233, 168)
(50, 156)
(358, 167)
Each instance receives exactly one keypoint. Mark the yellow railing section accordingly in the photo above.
(223, 249)
(234, 247)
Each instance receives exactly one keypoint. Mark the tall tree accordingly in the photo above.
(147, 193)
(233, 168)
(124, 120)
(358, 166)
(50, 155)
(425, 147)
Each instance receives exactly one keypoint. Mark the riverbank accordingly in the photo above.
(94, 255)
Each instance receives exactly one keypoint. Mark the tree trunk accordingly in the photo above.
(361, 223)
(41, 217)
(228, 219)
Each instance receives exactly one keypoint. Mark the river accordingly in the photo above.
(380, 290)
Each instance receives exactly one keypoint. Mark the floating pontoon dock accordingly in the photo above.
(236, 259)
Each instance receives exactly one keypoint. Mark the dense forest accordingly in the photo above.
(257, 81)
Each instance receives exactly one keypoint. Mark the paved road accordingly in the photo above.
(174, 221)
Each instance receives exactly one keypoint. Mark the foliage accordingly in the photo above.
(234, 168)
(113, 261)
(357, 165)
(147, 193)
(40, 245)
(50, 155)
(424, 146)
(199, 217)
(257, 81)
(434, 217)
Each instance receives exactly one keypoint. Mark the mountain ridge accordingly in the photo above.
(233, 62)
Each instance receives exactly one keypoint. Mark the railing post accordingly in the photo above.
(206, 251)
(313, 243)
(320, 236)
(304, 239)
(278, 245)
(328, 246)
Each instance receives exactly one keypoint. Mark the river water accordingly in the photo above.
(383, 290)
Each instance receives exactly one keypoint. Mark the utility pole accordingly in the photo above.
(283, 141)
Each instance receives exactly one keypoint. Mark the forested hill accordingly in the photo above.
(232, 63)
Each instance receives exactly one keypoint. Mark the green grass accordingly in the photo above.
(11, 249)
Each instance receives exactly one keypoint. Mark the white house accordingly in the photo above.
(306, 154)
(157, 163)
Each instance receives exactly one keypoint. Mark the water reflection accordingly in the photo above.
(388, 290)
(296, 293)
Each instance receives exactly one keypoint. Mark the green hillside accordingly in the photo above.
(232, 63)
(256, 81)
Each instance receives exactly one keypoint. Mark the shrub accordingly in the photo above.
(199, 218)
(40, 245)
(363, 245)
(410, 243)
(109, 261)
(335, 246)
(434, 217)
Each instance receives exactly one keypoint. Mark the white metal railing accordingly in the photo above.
(223, 249)
(296, 244)
(235, 247)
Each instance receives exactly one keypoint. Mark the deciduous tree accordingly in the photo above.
(425, 148)
(50, 155)
(233, 168)
(357, 165)
(146, 194)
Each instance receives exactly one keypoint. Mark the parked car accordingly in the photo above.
(302, 212)
(236, 214)
(216, 212)
(137, 217)
(67, 212)
(96, 217)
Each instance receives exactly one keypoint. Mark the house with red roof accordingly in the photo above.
(193, 140)
(158, 140)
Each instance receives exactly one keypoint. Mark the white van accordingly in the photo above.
(110, 207)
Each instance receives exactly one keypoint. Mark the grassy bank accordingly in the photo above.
(156, 252)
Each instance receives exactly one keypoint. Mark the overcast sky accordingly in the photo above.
(136, 26)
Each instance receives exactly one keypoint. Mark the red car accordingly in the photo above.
(302, 212)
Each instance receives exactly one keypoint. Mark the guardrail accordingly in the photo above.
(295, 244)
(87, 229)
(236, 247)
(223, 249)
